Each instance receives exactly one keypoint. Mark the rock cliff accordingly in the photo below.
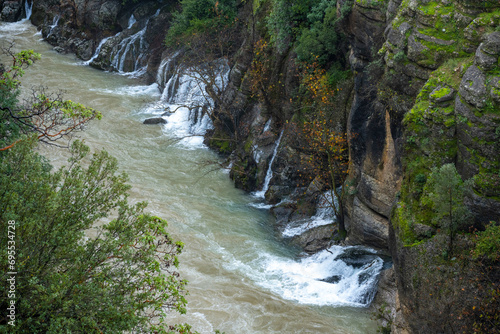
(423, 91)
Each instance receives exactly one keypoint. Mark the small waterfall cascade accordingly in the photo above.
(97, 51)
(28, 9)
(131, 53)
(257, 151)
(55, 21)
(324, 215)
(269, 174)
(267, 126)
(166, 70)
(131, 21)
(125, 52)
(185, 97)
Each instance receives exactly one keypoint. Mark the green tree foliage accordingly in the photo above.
(9, 93)
(287, 19)
(198, 16)
(311, 25)
(488, 243)
(47, 115)
(445, 191)
(320, 41)
(86, 260)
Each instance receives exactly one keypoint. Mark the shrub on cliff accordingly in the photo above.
(198, 16)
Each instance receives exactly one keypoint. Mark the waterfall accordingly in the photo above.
(55, 21)
(185, 96)
(342, 276)
(269, 174)
(28, 9)
(131, 52)
(324, 215)
(125, 52)
(131, 21)
(97, 51)
(267, 126)
(131, 49)
(166, 70)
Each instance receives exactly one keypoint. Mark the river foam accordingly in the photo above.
(241, 278)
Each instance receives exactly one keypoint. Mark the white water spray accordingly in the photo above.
(184, 102)
(324, 215)
(131, 21)
(28, 9)
(55, 21)
(97, 51)
(269, 174)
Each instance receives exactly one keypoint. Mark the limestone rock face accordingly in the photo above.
(429, 96)
(376, 129)
(368, 227)
(315, 239)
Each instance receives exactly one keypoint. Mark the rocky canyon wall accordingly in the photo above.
(424, 91)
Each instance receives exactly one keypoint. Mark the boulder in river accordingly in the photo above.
(155, 120)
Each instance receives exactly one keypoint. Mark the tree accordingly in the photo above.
(86, 260)
(445, 191)
(327, 156)
(323, 141)
(77, 256)
(47, 115)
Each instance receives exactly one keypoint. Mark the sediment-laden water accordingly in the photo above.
(242, 278)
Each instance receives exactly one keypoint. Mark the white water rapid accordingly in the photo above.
(242, 278)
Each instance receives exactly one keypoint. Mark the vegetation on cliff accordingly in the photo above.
(426, 105)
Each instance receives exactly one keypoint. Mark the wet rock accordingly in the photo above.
(315, 239)
(333, 279)
(356, 257)
(276, 193)
(282, 214)
(11, 11)
(155, 120)
(385, 298)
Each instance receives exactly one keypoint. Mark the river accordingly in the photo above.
(242, 278)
